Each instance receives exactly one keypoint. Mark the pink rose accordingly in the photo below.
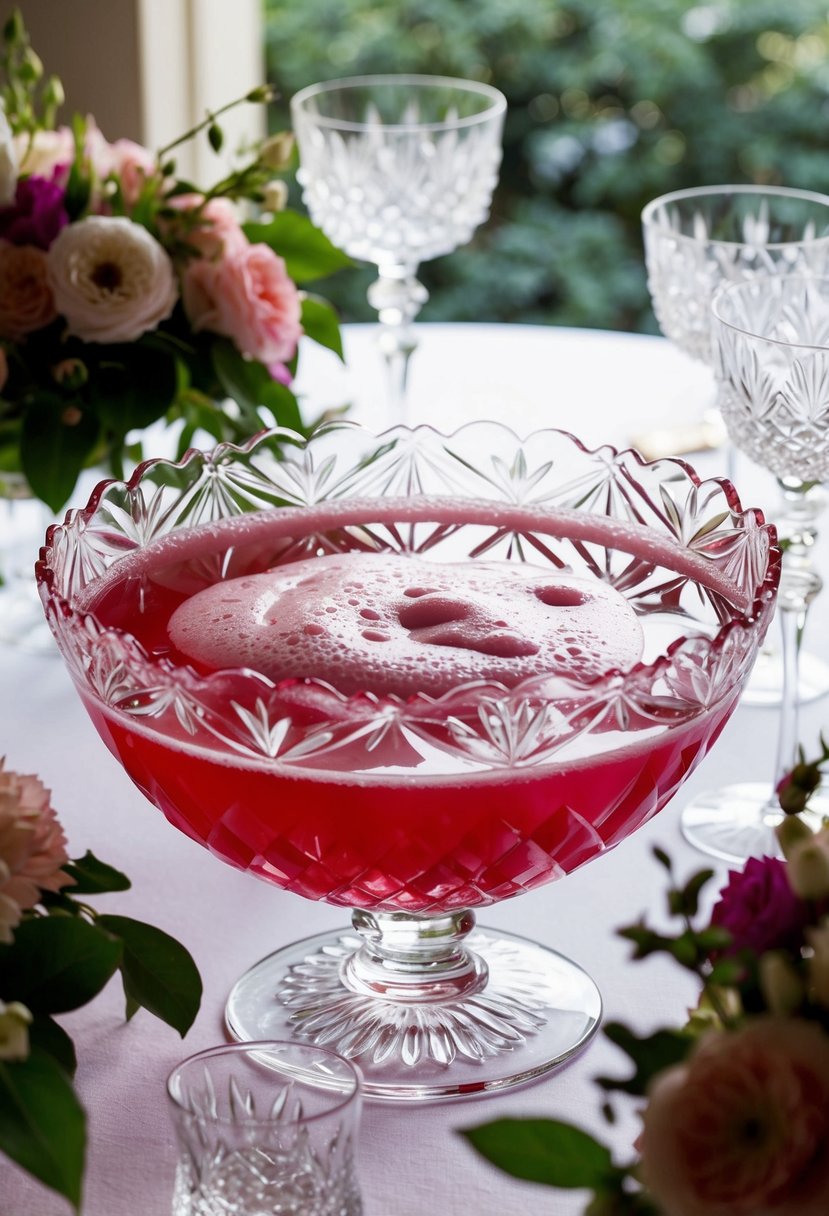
(132, 165)
(212, 228)
(32, 848)
(741, 1128)
(26, 301)
(248, 297)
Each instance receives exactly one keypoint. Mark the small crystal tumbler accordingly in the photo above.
(266, 1129)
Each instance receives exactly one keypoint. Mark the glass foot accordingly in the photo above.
(766, 680)
(738, 821)
(528, 1011)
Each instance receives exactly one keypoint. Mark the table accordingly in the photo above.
(603, 386)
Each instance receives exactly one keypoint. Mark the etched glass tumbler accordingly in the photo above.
(397, 170)
(771, 350)
(265, 1129)
(695, 241)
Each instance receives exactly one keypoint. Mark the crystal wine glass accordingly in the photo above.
(696, 240)
(456, 667)
(397, 170)
(771, 349)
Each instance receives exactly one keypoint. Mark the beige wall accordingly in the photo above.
(93, 45)
(150, 69)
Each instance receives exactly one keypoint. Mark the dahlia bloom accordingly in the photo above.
(111, 279)
(741, 1127)
(26, 302)
(32, 848)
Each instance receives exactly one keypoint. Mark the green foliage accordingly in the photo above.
(62, 955)
(543, 1150)
(611, 103)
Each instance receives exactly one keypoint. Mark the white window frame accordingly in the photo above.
(195, 56)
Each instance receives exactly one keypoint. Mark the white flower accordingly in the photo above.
(14, 1031)
(111, 279)
(8, 162)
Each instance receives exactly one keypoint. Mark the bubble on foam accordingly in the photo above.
(409, 625)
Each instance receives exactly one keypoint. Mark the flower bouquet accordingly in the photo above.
(129, 295)
(56, 953)
(735, 1104)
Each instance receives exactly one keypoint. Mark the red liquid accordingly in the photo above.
(423, 838)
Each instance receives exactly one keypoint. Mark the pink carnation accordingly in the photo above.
(248, 297)
(741, 1128)
(32, 848)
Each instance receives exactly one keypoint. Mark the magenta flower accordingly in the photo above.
(37, 214)
(759, 908)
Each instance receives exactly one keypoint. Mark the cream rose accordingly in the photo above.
(111, 279)
(43, 151)
(248, 296)
(741, 1128)
(26, 302)
(32, 848)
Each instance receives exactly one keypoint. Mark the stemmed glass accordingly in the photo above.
(695, 241)
(397, 170)
(771, 348)
(445, 767)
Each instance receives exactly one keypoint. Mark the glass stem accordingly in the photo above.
(413, 959)
(398, 297)
(799, 584)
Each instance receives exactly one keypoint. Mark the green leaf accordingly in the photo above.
(543, 1150)
(133, 385)
(57, 963)
(94, 877)
(251, 386)
(308, 253)
(48, 1036)
(53, 452)
(650, 1055)
(42, 1124)
(321, 324)
(158, 972)
(692, 889)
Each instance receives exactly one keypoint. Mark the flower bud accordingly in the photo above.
(70, 373)
(808, 869)
(781, 985)
(791, 832)
(275, 195)
(276, 151)
(14, 1031)
(262, 93)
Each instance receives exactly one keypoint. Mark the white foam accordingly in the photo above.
(390, 623)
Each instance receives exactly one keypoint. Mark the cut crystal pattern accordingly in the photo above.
(772, 364)
(402, 187)
(325, 1013)
(539, 728)
(697, 240)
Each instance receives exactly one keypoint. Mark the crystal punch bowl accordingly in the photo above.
(456, 667)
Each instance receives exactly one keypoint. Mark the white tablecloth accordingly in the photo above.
(604, 387)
